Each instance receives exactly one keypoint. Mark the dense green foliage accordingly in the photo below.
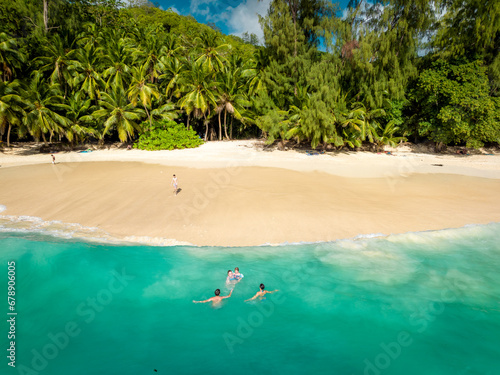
(97, 70)
(167, 135)
(456, 106)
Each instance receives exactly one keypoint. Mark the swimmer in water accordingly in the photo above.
(261, 293)
(217, 299)
(237, 275)
(230, 277)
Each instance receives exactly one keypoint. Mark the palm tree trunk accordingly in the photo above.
(225, 127)
(231, 129)
(8, 135)
(206, 127)
(46, 15)
(149, 117)
(220, 129)
(188, 122)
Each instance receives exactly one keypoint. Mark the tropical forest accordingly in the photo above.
(375, 73)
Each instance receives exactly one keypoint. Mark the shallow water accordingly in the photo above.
(418, 303)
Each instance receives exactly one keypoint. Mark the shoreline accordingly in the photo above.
(68, 231)
(243, 205)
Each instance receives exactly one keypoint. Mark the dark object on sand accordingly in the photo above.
(437, 165)
(314, 152)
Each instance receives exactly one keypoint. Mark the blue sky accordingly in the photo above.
(231, 16)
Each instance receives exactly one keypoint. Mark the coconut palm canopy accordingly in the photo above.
(380, 73)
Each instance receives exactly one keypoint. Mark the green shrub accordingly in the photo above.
(167, 135)
(456, 106)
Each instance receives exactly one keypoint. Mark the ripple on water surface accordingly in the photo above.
(417, 303)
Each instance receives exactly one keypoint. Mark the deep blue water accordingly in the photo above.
(418, 303)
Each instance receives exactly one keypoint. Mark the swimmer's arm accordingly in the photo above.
(272, 291)
(207, 300)
(251, 299)
(229, 295)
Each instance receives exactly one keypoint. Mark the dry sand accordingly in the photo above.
(239, 195)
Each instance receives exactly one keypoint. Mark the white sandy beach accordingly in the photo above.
(237, 194)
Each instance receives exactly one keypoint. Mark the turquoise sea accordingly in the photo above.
(412, 304)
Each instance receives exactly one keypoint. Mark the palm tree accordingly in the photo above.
(91, 34)
(354, 120)
(152, 52)
(119, 58)
(10, 57)
(230, 98)
(78, 109)
(60, 61)
(174, 69)
(212, 56)
(171, 47)
(117, 112)
(200, 93)
(387, 137)
(369, 122)
(41, 100)
(11, 111)
(165, 111)
(142, 90)
(255, 72)
(88, 77)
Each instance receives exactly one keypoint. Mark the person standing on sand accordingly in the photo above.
(53, 158)
(174, 184)
(261, 293)
(217, 299)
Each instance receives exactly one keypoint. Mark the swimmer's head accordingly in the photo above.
(217, 292)
(236, 269)
(229, 272)
(262, 286)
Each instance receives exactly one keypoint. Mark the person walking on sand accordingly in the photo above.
(174, 184)
(53, 158)
(217, 299)
(261, 293)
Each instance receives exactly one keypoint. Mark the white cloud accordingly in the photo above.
(244, 17)
(345, 12)
(174, 9)
(238, 17)
(201, 7)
